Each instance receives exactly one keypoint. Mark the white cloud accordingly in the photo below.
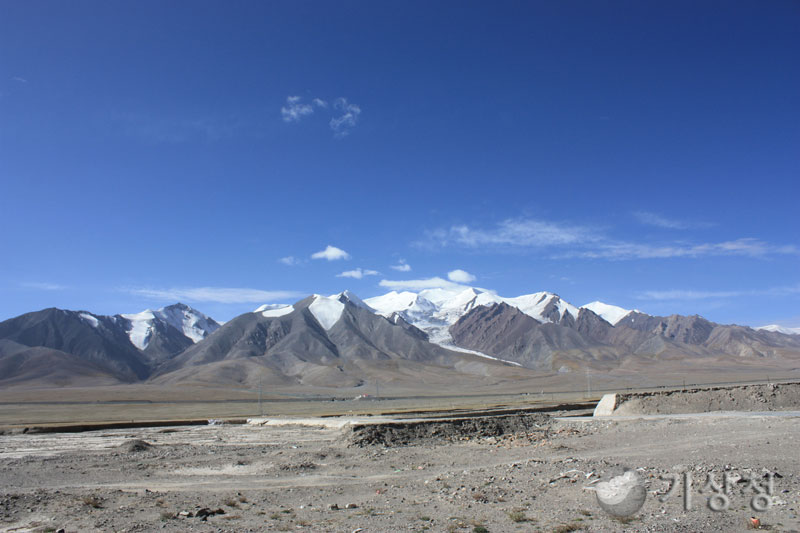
(741, 247)
(19, 79)
(402, 266)
(691, 294)
(460, 276)
(584, 242)
(214, 294)
(43, 286)
(344, 115)
(347, 119)
(331, 253)
(357, 273)
(654, 219)
(687, 295)
(289, 260)
(293, 111)
(419, 284)
(514, 232)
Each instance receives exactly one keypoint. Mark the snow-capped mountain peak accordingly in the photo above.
(435, 310)
(348, 296)
(405, 303)
(780, 329)
(444, 306)
(190, 322)
(543, 306)
(610, 313)
(461, 303)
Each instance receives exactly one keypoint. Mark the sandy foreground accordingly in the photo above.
(316, 478)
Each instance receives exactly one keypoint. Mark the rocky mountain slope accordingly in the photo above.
(323, 341)
(60, 346)
(338, 341)
(505, 332)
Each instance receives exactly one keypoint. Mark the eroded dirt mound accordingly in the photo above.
(135, 446)
(433, 431)
(773, 397)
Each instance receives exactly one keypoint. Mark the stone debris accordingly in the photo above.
(135, 446)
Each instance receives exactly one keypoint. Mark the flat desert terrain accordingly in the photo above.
(509, 470)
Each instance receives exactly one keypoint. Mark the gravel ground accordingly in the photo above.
(301, 478)
(768, 397)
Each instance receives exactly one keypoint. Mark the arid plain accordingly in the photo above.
(514, 462)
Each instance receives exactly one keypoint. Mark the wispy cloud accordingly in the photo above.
(741, 247)
(343, 114)
(515, 232)
(42, 286)
(331, 253)
(347, 119)
(19, 79)
(574, 241)
(402, 266)
(358, 273)
(223, 295)
(676, 294)
(173, 130)
(419, 284)
(460, 276)
(654, 219)
(690, 294)
(294, 110)
(290, 260)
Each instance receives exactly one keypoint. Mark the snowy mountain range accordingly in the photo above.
(340, 340)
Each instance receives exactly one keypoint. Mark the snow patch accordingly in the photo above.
(275, 311)
(91, 319)
(440, 335)
(141, 328)
(411, 306)
(534, 305)
(190, 322)
(610, 313)
(348, 296)
(327, 311)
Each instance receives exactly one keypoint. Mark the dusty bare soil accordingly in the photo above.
(766, 397)
(526, 473)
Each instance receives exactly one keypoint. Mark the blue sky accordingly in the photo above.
(644, 154)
